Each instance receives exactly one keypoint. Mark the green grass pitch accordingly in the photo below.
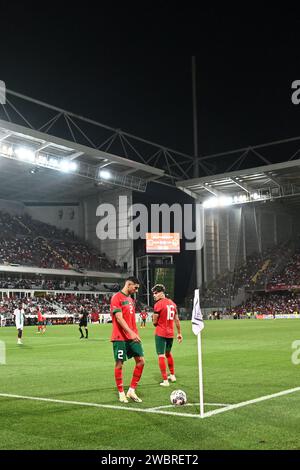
(242, 360)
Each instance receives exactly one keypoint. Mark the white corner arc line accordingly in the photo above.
(189, 404)
(251, 402)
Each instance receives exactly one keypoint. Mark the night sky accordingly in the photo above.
(131, 69)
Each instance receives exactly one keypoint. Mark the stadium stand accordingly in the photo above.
(29, 242)
(253, 274)
(269, 304)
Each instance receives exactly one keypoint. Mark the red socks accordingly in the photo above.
(170, 362)
(137, 373)
(163, 367)
(119, 379)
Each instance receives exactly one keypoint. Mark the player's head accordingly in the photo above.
(158, 291)
(132, 285)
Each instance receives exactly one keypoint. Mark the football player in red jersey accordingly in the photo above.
(143, 316)
(41, 322)
(125, 338)
(165, 314)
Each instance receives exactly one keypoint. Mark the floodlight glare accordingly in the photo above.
(73, 166)
(242, 198)
(225, 201)
(64, 165)
(210, 203)
(222, 201)
(6, 149)
(53, 162)
(42, 160)
(104, 174)
(25, 154)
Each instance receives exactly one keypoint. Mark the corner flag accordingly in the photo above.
(197, 318)
(197, 327)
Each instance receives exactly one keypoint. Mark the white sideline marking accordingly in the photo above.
(45, 345)
(156, 410)
(98, 405)
(251, 402)
(188, 404)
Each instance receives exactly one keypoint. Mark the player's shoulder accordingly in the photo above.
(158, 304)
(116, 296)
(168, 301)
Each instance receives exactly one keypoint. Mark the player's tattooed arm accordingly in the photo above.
(155, 319)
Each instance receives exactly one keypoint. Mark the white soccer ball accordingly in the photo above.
(178, 397)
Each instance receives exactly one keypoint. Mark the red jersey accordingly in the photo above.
(120, 302)
(166, 310)
(40, 316)
(144, 315)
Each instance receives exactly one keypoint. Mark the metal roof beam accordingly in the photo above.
(5, 136)
(241, 184)
(74, 155)
(272, 178)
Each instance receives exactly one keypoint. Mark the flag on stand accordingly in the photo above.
(197, 318)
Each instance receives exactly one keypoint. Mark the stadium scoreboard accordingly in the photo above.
(162, 243)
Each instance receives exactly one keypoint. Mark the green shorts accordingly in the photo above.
(163, 345)
(124, 350)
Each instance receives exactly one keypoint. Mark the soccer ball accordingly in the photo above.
(178, 397)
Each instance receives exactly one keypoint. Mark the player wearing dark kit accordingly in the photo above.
(84, 323)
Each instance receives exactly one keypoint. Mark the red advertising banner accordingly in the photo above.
(277, 287)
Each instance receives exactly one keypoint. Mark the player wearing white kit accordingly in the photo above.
(19, 320)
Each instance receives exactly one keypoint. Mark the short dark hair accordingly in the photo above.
(132, 279)
(158, 288)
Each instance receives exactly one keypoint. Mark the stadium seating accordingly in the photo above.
(269, 304)
(255, 274)
(29, 242)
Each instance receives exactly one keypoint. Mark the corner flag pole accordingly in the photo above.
(197, 327)
(200, 375)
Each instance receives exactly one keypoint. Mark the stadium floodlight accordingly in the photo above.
(242, 198)
(66, 166)
(104, 174)
(213, 202)
(26, 154)
(53, 162)
(6, 149)
(73, 166)
(210, 203)
(42, 160)
(225, 201)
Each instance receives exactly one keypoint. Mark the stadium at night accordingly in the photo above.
(145, 288)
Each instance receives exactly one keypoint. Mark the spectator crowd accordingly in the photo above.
(28, 242)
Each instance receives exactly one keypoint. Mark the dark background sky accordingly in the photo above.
(131, 69)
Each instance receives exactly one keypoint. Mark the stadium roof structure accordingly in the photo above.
(37, 163)
(95, 154)
(119, 152)
(263, 183)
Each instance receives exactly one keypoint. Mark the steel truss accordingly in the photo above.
(41, 116)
